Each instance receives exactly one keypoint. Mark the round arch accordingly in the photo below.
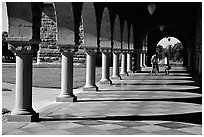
(90, 31)
(125, 36)
(130, 36)
(155, 35)
(116, 33)
(105, 29)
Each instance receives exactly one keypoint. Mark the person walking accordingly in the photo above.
(154, 62)
(167, 66)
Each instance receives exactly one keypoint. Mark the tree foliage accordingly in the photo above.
(175, 51)
(7, 54)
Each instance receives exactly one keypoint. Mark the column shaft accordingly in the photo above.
(23, 111)
(200, 63)
(144, 60)
(23, 105)
(189, 60)
(141, 60)
(123, 71)
(90, 72)
(129, 62)
(115, 66)
(66, 93)
(137, 67)
(105, 69)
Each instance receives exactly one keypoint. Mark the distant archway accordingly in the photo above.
(173, 47)
(155, 35)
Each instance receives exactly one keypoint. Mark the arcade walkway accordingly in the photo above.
(141, 104)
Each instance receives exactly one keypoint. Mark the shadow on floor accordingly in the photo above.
(195, 118)
(197, 100)
(199, 91)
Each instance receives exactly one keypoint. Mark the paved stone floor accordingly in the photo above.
(140, 104)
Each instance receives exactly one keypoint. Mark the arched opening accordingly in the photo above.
(7, 55)
(169, 35)
(105, 31)
(125, 36)
(117, 34)
(4, 17)
(173, 47)
(130, 40)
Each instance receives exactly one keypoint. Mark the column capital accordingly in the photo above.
(143, 51)
(130, 51)
(91, 50)
(67, 48)
(137, 50)
(124, 51)
(23, 45)
(105, 50)
(116, 51)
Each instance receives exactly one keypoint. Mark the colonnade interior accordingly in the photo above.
(129, 32)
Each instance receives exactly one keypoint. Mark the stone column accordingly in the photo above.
(66, 94)
(90, 70)
(200, 62)
(144, 60)
(129, 62)
(23, 111)
(137, 67)
(141, 60)
(123, 71)
(116, 75)
(196, 60)
(38, 55)
(105, 67)
(189, 60)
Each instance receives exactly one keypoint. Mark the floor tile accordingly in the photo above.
(10, 126)
(32, 125)
(174, 125)
(86, 114)
(87, 131)
(54, 132)
(126, 131)
(63, 116)
(64, 126)
(119, 114)
(36, 129)
(89, 122)
(154, 122)
(107, 126)
(150, 128)
(171, 132)
(192, 130)
(132, 123)
(18, 132)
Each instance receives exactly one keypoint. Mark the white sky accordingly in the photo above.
(4, 17)
(164, 42)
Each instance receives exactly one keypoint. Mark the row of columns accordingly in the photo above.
(126, 67)
(23, 110)
(194, 63)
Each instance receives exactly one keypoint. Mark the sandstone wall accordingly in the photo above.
(48, 48)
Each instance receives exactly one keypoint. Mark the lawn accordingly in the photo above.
(49, 75)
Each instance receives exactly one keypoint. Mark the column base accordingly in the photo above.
(91, 88)
(123, 74)
(115, 77)
(66, 99)
(129, 71)
(137, 71)
(23, 118)
(106, 81)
